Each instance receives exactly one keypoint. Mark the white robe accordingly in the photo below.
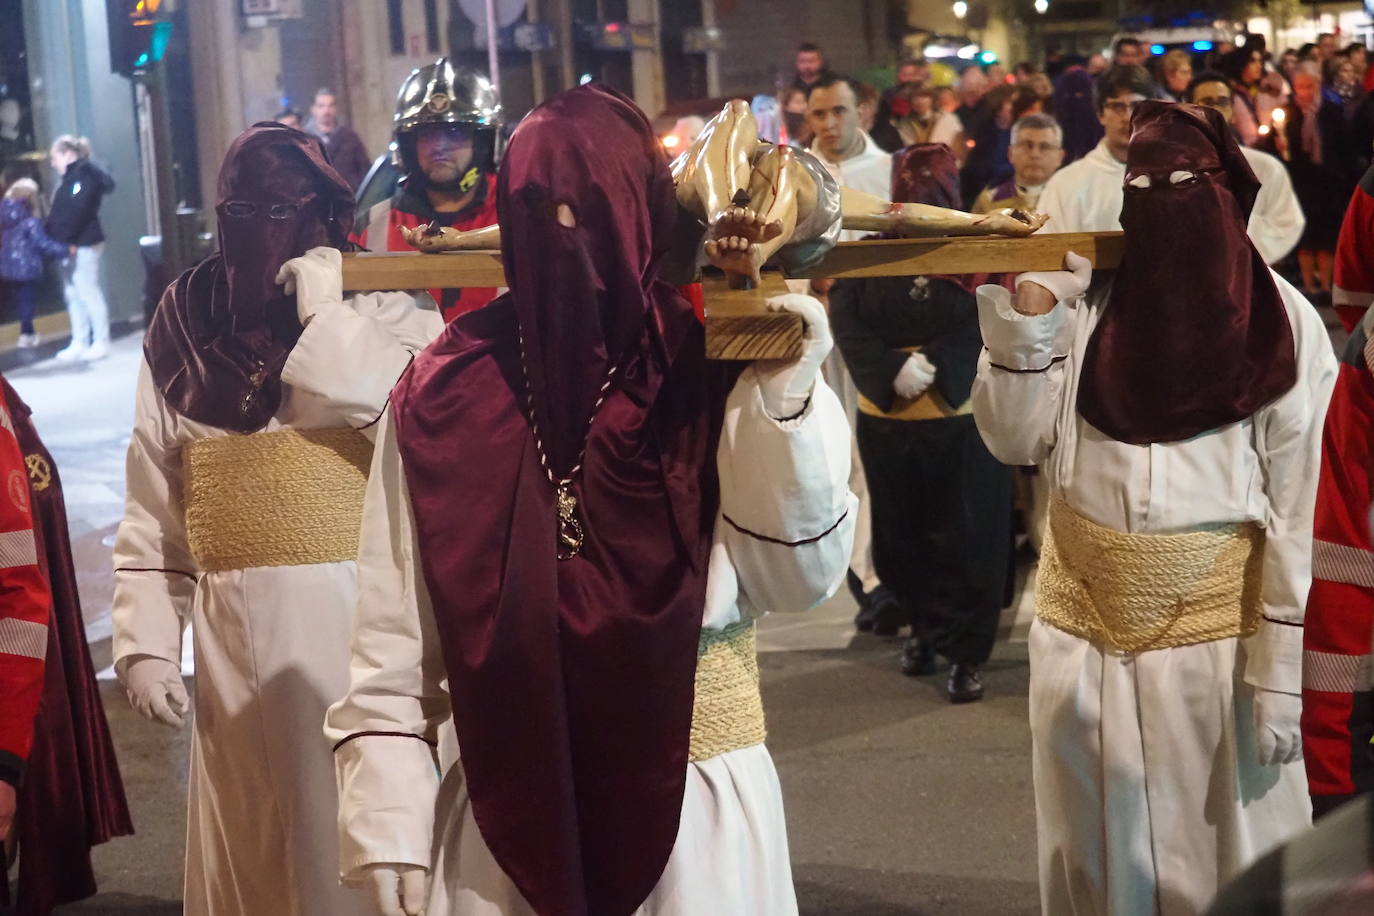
(1085, 196)
(783, 480)
(1148, 794)
(870, 171)
(271, 643)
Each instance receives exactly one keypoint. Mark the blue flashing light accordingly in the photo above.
(988, 57)
(1202, 46)
(1156, 49)
(142, 61)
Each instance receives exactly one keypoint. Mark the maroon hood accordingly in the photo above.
(223, 330)
(1195, 335)
(927, 173)
(571, 680)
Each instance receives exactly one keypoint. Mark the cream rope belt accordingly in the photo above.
(285, 498)
(728, 712)
(1136, 592)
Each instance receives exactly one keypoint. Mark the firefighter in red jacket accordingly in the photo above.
(1354, 280)
(25, 603)
(1338, 706)
(448, 142)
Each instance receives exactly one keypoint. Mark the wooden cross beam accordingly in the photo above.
(738, 326)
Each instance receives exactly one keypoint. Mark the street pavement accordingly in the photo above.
(898, 803)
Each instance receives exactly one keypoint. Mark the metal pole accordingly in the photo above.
(173, 253)
(565, 45)
(493, 57)
(536, 57)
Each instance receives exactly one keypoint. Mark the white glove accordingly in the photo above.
(397, 890)
(1278, 727)
(787, 385)
(1064, 285)
(155, 689)
(316, 278)
(916, 375)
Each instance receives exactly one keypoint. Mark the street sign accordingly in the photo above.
(508, 12)
(533, 36)
(622, 36)
(272, 9)
(700, 39)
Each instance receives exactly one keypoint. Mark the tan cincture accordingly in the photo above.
(728, 712)
(1137, 592)
(285, 498)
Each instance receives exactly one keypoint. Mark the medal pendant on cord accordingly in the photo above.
(569, 528)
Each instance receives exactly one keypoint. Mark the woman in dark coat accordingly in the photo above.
(1314, 136)
(75, 221)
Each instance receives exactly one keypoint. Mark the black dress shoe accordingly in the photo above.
(918, 659)
(965, 686)
(880, 613)
(886, 612)
(866, 618)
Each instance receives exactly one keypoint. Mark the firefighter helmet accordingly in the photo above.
(442, 93)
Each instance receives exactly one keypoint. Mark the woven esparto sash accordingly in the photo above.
(728, 712)
(1137, 592)
(285, 498)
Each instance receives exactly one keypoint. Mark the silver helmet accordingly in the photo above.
(442, 93)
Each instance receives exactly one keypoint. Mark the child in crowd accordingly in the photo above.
(23, 246)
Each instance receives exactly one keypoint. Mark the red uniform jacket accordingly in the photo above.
(1354, 281)
(412, 209)
(72, 798)
(25, 604)
(1338, 706)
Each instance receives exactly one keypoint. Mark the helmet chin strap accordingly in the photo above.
(466, 183)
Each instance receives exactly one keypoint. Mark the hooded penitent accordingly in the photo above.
(1195, 335)
(571, 680)
(1076, 113)
(223, 330)
(927, 173)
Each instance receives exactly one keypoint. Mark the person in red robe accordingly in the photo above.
(71, 798)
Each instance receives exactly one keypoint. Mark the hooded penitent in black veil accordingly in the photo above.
(1195, 335)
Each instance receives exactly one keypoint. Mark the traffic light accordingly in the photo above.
(139, 33)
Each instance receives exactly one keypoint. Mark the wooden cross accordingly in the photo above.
(737, 324)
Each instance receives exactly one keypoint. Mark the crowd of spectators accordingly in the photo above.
(1309, 108)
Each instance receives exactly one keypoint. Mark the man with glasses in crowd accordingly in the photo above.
(1277, 221)
(1036, 152)
(1085, 196)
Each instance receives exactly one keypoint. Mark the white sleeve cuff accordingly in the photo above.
(388, 784)
(1274, 658)
(1021, 343)
(784, 480)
